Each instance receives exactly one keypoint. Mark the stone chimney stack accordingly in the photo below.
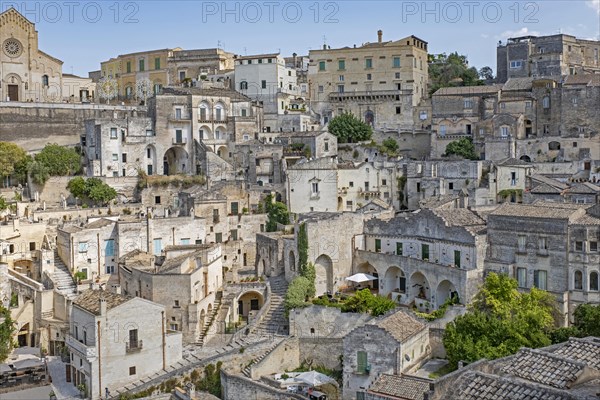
(102, 307)
(379, 36)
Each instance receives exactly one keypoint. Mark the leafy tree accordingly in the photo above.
(3, 203)
(277, 212)
(305, 268)
(59, 160)
(295, 297)
(462, 147)
(11, 155)
(486, 73)
(587, 319)
(390, 145)
(451, 70)
(211, 382)
(500, 321)
(7, 330)
(349, 129)
(364, 301)
(92, 189)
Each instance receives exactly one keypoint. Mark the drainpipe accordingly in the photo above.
(164, 342)
(98, 245)
(173, 235)
(99, 363)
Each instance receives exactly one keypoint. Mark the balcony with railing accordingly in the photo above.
(378, 94)
(179, 141)
(134, 346)
(80, 347)
(180, 116)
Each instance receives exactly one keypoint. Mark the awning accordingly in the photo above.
(361, 277)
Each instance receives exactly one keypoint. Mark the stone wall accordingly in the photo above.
(284, 357)
(321, 351)
(236, 387)
(319, 322)
(33, 125)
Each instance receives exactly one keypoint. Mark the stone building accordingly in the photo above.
(163, 67)
(553, 55)
(565, 371)
(115, 340)
(425, 257)
(379, 82)
(195, 270)
(186, 129)
(27, 73)
(400, 387)
(317, 144)
(392, 344)
(96, 247)
(555, 249)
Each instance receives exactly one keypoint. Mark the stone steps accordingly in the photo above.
(209, 321)
(62, 279)
(246, 370)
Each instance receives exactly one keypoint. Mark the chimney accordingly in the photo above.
(379, 36)
(102, 307)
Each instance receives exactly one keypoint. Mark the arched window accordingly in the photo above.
(45, 81)
(578, 280)
(243, 85)
(219, 112)
(129, 92)
(546, 102)
(594, 281)
(203, 112)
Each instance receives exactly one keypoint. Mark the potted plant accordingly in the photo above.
(82, 390)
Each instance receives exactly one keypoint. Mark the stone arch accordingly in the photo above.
(340, 205)
(220, 132)
(419, 286)
(578, 280)
(204, 112)
(223, 152)
(594, 281)
(445, 290)
(175, 161)
(525, 158)
(201, 320)
(205, 133)
(324, 274)
(292, 260)
(247, 303)
(220, 111)
(367, 268)
(370, 117)
(13, 85)
(394, 281)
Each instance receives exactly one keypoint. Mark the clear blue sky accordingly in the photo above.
(84, 33)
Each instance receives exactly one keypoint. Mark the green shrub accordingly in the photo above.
(296, 294)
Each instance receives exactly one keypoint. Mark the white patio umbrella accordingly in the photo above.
(361, 277)
(314, 378)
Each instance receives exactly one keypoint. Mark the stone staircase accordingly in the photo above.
(210, 319)
(275, 322)
(258, 359)
(62, 279)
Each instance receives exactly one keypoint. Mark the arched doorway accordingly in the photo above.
(340, 204)
(394, 282)
(445, 291)
(249, 303)
(175, 161)
(150, 160)
(201, 321)
(367, 268)
(223, 152)
(370, 117)
(324, 275)
(292, 261)
(419, 287)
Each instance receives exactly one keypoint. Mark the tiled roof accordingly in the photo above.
(466, 90)
(99, 223)
(584, 187)
(582, 79)
(400, 325)
(537, 210)
(549, 181)
(546, 189)
(459, 217)
(545, 368)
(586, 350)
(586, 219)
(513, 162)
(90, 300)
(302, 134)
(437, 201)
(400, 386)
(518, 84)
(479, 386)
(317, 163)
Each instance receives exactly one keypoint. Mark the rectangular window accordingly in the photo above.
(263, 84)
(377, 245)
(156, 199)
(157, 246)
(543, 244)
(468, 103)
(396, 62)
(326, 146)
(115, 157)
(361, 362)
(185, 241)
(142, 65)
(113, 133)
(341, 65)
(540, 279)
(131, 370)
(398, 110)
(321, 65)
(234, 234)
(340, 88)
(82, 247)
(341, 78)
(522, 277)
(425, 251)
(457, 258)
(521, 242)
(128, 67)
(315, 188)
(516, 64)
(593, 247)
(383, 182)
(578, 246)
(442, 130)
(218, 237)
(321, 89)
(109, 248)
(399, 248)
(527, 104)
(450, 185)
(369, 63)
(369, 77)
(157, 63)
(124, 157)
(178, 136)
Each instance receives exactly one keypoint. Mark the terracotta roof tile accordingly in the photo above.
(400, 386)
